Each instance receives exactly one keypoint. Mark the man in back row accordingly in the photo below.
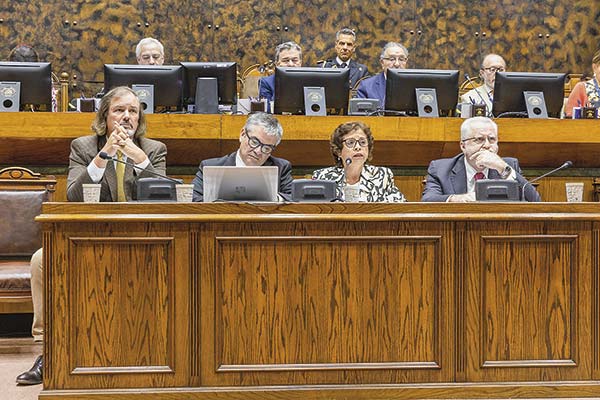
(288, 54)
(453, 179)
(345, 45)
(258, 138)
(393, 55)
(484, 94)
(150, 51)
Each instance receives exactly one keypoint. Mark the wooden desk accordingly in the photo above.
(335, 301)
(42, 139)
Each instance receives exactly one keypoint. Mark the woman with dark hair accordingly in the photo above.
(586, 93)
(352, 149)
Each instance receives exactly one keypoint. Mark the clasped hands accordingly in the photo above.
(120, 139)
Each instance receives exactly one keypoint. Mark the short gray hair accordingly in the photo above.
(145, 41)
(345, 31)
(268, 122)
(389, 45)
(470, 124)
(287, 46)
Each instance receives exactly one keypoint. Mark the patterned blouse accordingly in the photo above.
(376, 183)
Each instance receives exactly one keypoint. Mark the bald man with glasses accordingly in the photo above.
(491, 64)
(453, 179)
(258, 139)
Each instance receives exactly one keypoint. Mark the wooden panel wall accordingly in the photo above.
(78, 37)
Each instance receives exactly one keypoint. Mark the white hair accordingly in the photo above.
(467, 127)
(145, 41)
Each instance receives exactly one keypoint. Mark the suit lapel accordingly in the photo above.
(380, 88)
(458, 176)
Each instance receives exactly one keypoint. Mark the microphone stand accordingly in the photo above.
(567, 164)
(103, 155)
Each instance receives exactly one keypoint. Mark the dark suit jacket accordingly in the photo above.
(448, 176)
(373, 88)
(266, 87)
(83, 151)
(284, 166)
(357, 71)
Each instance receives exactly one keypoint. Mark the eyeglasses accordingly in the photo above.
(254, 143)
(481, 139)
(351, 143)
(493, 69)
(395, 59)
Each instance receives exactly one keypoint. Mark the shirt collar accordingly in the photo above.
(472, 171)
(238, 159)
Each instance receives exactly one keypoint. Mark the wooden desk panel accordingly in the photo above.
(42, 139)
(339, 301)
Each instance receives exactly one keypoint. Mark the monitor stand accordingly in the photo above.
(146, 95)
(314, 101)
(427, 105)
(10, 96)
(207, 96)
(536, 105)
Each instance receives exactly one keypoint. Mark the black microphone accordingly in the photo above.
(468, 78)
(567, 164)
(103, 155)
(348, 161)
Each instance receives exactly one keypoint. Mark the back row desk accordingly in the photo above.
(42, 139)
(323, 301)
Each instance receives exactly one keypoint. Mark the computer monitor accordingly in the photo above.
(240, 183)
(225, 72)
(509, 88)
(400, 88)
(291, 81)
(35, 79)
(166, 79)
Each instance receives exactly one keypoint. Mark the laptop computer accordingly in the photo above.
(257, 184)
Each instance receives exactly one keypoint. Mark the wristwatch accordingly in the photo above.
(506, 173)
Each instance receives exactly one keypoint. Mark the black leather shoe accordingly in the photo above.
(34, 375)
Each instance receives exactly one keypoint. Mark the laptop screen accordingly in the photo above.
(240, 183)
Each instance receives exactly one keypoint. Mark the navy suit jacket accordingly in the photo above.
(357, 70)
(266, 87)
(448, 176)
(373, 88)
(284, 166)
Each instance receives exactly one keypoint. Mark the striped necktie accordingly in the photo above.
(120, 170)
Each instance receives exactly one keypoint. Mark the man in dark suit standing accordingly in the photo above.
(345, 45)
(393, 55)
(453, 179)
(258, 138)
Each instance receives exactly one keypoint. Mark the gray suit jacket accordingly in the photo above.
(448, 176)
(83, 151)
(284, 166)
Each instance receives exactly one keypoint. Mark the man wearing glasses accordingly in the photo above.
(288, 54)
(258, 138)
(393, 55)
(491, 64)
(453, 179)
